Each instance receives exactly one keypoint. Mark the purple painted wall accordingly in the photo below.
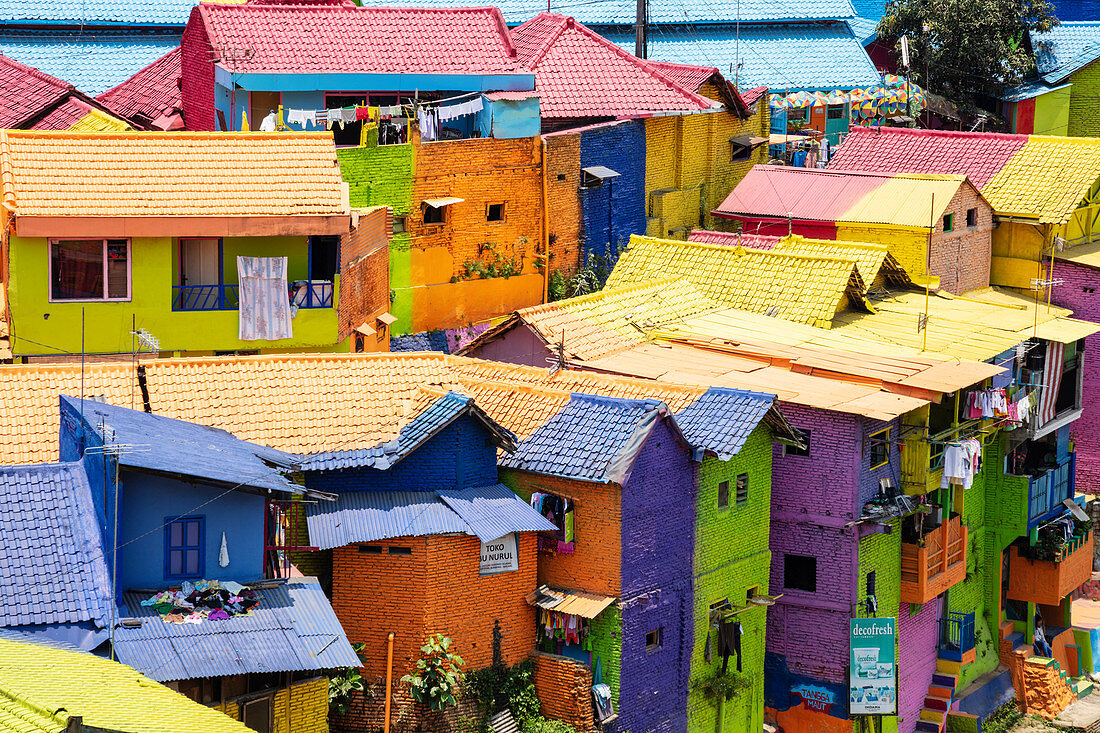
(868, 477)
(518, 346)
(658, 536)
(1078, 293)
(918, 636)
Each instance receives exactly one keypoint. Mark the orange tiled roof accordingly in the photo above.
(168, 174)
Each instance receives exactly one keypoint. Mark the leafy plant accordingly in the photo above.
(500, 686)
(437, 674)
(1003, 719)
(558, 287)
(343, 684)
(539, 724)
(726, 687)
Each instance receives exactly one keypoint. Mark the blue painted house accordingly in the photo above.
(424, 540)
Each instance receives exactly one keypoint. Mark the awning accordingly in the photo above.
(586, 605)
(441, 202)
(388, 318)
(365, 330)
(601, 172)
(1062, 330)
(748, 141)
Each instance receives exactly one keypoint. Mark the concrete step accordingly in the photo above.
(1007, 628)
(941, 679)
(948, 666)
(927, 726)
(941, 691)
(1017, 639)
(1040, 661)
(938, 717)
(1082, 688)
(934, 702)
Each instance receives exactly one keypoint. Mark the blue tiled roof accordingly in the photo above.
(592, 438)
(622, 12)
(52, 568)
(864, 29)
(292, 629)
(1066, 49)
(96, 12)
(364, 516)
(439, 414)
(780, 57)
(424, 341)
(1077, 9)
(1030, 90)
(92, 62)
(721, 420)
(869, 9)
(177, 447)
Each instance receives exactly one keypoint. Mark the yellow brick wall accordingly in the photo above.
(300, 708)
(909, 247)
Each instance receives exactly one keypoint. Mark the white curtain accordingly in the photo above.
(263, 301)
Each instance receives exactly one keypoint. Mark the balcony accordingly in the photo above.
(225, 297)
(928, 571)
(1039, 579)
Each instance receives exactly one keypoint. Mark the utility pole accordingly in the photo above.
(640, 30)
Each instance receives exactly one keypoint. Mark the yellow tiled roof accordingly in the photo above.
(870, 258)
(170, 174)
(613, 318)
(42, 687)
(800, 288)
(98, 121)
(1046, 179)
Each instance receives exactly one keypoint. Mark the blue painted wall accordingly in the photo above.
(148, 502)
(508, 118)
(460, 456)
(100, 469)
(621, 148)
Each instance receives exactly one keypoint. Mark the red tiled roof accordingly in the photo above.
(64, 115)
(687, 76)
(26, 92)
(578, 73)
(977, 155)
(148, 94)
(752, 96)
(342, 38)
(734, 239)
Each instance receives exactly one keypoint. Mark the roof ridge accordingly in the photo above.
(750, 251)
(551, 38)
(601, 294)
(7, 178)
(33, 71)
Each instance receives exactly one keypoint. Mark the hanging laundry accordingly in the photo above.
(267, 124)
(347, 114)
(363, 113)
(263, 306)
(961, 461)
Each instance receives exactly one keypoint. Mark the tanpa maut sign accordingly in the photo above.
(499, 556)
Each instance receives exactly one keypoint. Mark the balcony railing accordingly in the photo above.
(957, 636)
(930, 570)
(311, 293)
(1049, 581)
(204, 297)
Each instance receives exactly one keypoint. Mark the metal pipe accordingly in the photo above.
(545, 226)
(389, 680)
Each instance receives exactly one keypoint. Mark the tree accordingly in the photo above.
(967, 48)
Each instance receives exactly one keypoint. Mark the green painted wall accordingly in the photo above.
(1084, 121)
(731, 556)
(42, 327)
(383, 176)
(881, 553)
(1052, 113)
(606, 632)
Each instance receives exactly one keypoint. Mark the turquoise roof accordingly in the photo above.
(780, 57)
(1066, 49)
(92, 62)
(865, 29)
(1030, 90)
(96, 12)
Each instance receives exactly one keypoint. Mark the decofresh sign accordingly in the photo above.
(872, 677)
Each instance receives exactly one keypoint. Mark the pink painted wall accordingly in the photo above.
(917, 639)
(520, 345)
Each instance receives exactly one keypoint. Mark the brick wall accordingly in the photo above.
(564, 689)
(197, 85)
(961, 257)
(1083, 120)
(365, 276)
(563, 182)
(621, 147)
(595, 565)
(919, 637)
(1078, 293)
(869, 477)
(823, 483)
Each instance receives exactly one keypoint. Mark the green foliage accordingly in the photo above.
(500, 686)
(726, 686)
(558, 286)
(540, 724)
(1003, 718)
(491, 263)
(437, 675)
(972, 48)
(343, 683)
(589, 278)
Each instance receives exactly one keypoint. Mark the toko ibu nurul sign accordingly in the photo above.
(499, 556)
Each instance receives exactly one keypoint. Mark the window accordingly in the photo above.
(724, 494)
(797, 115)
(879, 448)
(836, 112)
(739, 151)
(653, 640)
(948, 223)
(256, 714)
(324, 257)
(400, 550)
(494, 212)
(972, 217)
(435, 215)
(90, 269)
(791, 450)
(742, 488)
(183, 538)
(800, 572)
(359, 345)
(751, 592)
(398, 225)
(371, 549)
(561, 176)
(871, 583)
(560, 511)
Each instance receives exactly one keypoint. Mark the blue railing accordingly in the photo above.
(1047, 491)
(311, 293)
(956, 635)
(204, 298)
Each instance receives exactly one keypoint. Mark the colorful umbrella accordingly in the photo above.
(777, 101)
(800, 99)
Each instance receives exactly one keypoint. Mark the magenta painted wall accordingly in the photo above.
(518, 346)
(812, 229)
(1078, 292)
(918, 636)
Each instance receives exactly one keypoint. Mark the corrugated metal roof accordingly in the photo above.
(180, 447)
(364, 516)
(845, 196)
(292, 629)
(52, 568)
(588, 605)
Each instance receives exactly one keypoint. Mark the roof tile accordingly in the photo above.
(27, 91)
(1066, 49)
(150, 93)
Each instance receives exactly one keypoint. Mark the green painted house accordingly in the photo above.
(1062, 100)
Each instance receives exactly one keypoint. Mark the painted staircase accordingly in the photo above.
(937, 703)
(1042, 686)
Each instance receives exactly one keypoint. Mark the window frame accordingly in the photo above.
(400, 224)
(168, 547)
(658, 643)
(972, 213)
(873, 444)
(741, 488)
(442, 215)
(503, 214)
(740, 153)
(841, 109)
(786, 585)
(790, 450)
(948, 223)
(103, 243)
(723, 486)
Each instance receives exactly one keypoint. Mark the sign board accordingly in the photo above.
(499, 556)
(872, 675)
